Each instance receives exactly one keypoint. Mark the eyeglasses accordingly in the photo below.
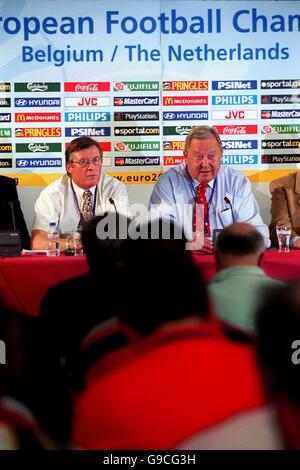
(85, 162)
(210, 157)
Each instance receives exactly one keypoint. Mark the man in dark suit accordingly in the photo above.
(9, 206)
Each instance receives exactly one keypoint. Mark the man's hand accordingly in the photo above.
(207, 248)
(297, 244)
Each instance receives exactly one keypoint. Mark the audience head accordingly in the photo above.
(278, 328)
(84, 161)
(239, 244)
(203, 153)
(103, 240)
(161, 282)
(31, 376)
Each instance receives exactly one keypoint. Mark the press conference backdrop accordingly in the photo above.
(137, 76)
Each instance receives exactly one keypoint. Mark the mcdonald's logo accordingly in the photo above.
(168, 161)
(168, 100)
(173, 160)
(20, 117)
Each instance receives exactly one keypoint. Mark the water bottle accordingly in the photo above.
(53, 248)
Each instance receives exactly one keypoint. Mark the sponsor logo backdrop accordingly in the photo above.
(138, 76)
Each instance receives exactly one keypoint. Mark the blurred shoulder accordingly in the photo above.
(287, 181)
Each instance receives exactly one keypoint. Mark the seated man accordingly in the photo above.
(79, 195)
(285, 206)
(225, 194)
(10, 209)
(237, 287)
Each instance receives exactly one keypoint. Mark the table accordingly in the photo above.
(24, 280)
(283, 266)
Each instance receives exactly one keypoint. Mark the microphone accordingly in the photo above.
(11, 205)
(113, 203)
(227, 200)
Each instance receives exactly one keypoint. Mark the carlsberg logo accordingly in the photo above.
(37, 86)
(38, 147)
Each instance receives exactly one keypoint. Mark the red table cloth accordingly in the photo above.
(25, 279)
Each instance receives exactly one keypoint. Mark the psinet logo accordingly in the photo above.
(37, 86)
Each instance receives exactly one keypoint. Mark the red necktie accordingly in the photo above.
(201, 200)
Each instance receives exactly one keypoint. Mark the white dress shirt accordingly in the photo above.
(57, 202)
(174, 197)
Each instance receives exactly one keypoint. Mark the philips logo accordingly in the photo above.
(234, 99)
(239, 159)
(87, 116)
(235, 85)
(38, 162)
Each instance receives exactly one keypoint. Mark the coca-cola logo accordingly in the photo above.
(37, 87)
(86, 87)
(38, 147)
(235, 130)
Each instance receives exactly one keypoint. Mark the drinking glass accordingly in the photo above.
(77, 244)
(283, 233)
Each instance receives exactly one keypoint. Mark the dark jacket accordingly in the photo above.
(8, 195)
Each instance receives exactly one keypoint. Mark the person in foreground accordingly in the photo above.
(278, 348)
(10, 209)
(79, 195)
(285, 207)
(35, 407)
(71, 308)
(224, 194)
(182, 384)
(238, 286)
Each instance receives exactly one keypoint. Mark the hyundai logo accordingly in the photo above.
(23, 162)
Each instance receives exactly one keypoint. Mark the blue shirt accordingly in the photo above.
(174, 196)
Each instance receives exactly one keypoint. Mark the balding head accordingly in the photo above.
(239, 244)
